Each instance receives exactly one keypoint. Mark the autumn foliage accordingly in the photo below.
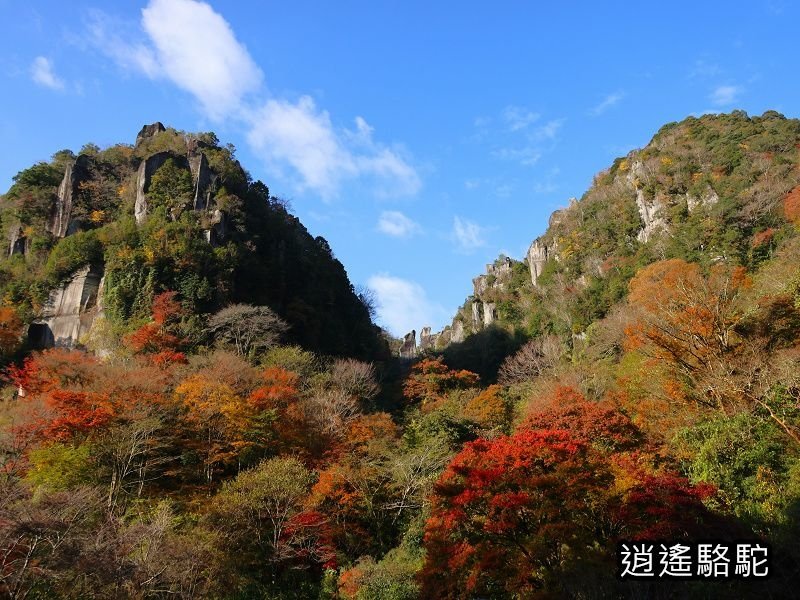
(157, 339)
(431, 379)
(599, 424)
(791, 206)
(688, 321)
(10, 330)
(500, 520)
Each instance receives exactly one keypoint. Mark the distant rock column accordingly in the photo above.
(146, 169)
(203, 178)
(489, 313)
(476, 315)
(427, 340)
(457, 335)
(537, 258)
(409, 347)
(61, 223)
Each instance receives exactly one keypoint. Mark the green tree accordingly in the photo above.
(171, 186)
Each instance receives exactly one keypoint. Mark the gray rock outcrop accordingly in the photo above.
(709, 198)
(651, 210)
(146, 169)
(489, 313)
(61, 223)
(457, 334)
(651, 213)
(203, 178)
(218, 228)
(427, 340)
(148, 131)
(476, 315)
(557, 216)
(497, 275)
(18, 242)
(409, 348)
(538, 253)
(70, 310)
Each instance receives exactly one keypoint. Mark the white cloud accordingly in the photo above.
(396, 224)
(111, 37)
(403, 305)
(549, 130)
(303, 137)
(467, 235)
(607, 102)
(725, 95)
(198, 51)
(544, 187)
(518, 118)
(42, 73)
(527, 156)
(189, 44)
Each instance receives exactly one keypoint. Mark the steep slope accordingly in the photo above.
(103, 231)
(707, 190)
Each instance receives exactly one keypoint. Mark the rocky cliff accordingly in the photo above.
(175, 211)
(706, 188)
(70, 310)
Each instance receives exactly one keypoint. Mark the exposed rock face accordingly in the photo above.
(427, 340)
(496, 277)
(146, 169)
(18, 242)
(149, 131)
(710, 198)
(651, 213)
(203, 178)
(218, 228)
(651, 210)
(558, 215)
(61, 223)
(538, 253)
(476, 315)
(489, 313)
(457, 335)
(70, 310)
(409, 347)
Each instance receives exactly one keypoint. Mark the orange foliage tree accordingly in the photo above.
(515, 515)
(157, 339)
(688, 321)
(279, 398)
(505, 511)
(431, 379)
(791, 206)
(221, 417)
(489, 409)
(600, 424)
(10, 330)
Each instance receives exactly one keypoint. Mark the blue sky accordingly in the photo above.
(421, 139)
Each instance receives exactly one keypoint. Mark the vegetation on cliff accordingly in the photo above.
(646, 386)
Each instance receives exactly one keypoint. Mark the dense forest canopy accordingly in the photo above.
(220, 417)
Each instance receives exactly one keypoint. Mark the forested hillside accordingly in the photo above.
(173, 212)
(220, 418)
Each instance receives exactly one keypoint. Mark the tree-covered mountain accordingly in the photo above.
(707, 190)
(176, 212)
(636, 378)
